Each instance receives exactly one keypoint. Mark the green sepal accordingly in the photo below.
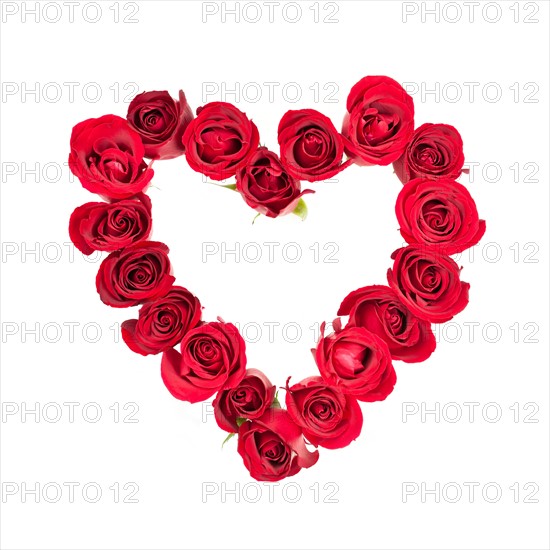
(301, 209)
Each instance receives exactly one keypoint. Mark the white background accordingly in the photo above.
(170, 452)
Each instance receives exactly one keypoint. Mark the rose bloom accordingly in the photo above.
(379, 122)
(378, 309)
(219, 140)
(160, 121)
(266, 186)
(356, 361)
(249, 399)
(311, 147)
(327, 416)
(441, 214)
(162, 323)
(435, 151)
(110, 226)
(428, 283)
(272, 447)
(212, 358)
(134, 274)
(107, 157)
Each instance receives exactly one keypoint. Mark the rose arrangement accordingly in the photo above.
(203, 359)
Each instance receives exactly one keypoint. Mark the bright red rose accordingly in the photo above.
(107, 157)
(378, 309)
(379, 122)
(327, 416)
(428, 283)
(134, 274)
(249, 399)
(267, 187)
(162, 323)
(273, 447)
(160, 121)
(212, 358)
(110, 226)
(435, 151)
(356, 361)
(438, 213)
(219, 140)
(311, 147)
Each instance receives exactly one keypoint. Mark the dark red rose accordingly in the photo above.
(162, 323)
(134, 274)
(220, 140)
(428, 283)
(249, 399)
(435, 151)
(160, 121)
(438, 213)
(107, 157)
(327, 416)
(311, 147)
(110, 226)
(356, 361)
(273, 447)
(267, 187)
(212, 358)
(379, 122)
(378, 309)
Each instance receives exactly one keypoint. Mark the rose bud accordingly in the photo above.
(107, 157)
(379, 122)
(435, 151)
(378, 309)
(428, 283)
(212, 358)
(110, 226)
(162, 323)
(160, 121)
(266, 186)
(249, 399)
(219, 140)
(356, 361)
(273, 447)
(327, 416)
(438, 213)
(311, 147)
(134, 274)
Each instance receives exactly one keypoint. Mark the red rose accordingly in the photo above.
(107, 157)
(357, 361)
(379, 122)
(428, 283)
(162, 323)
(212, 358)
(110, 226)
(378, 309)
(327, 416)
(272, 447)
(438, 213)
(220, 140)
(160, 121)
(249, 399)
(311, 147)
(267, 187)
(435, 151)
(134, 274)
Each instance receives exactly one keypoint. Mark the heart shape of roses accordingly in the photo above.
(436, 214)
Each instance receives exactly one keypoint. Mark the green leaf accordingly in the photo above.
(301, 209)
(240, 421)
(232, 434)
